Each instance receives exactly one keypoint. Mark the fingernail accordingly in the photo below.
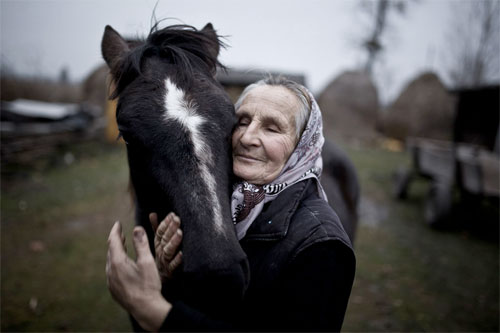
(179, 232)
(139, 234)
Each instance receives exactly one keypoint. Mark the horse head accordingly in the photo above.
(177, 120)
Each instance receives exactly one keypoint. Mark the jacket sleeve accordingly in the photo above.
(315, 288)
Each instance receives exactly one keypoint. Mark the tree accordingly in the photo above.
(474, 49)
(64, 75)
(373, 43)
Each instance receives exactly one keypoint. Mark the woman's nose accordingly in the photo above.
(250, 136)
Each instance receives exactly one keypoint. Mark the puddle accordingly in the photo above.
(371, 213)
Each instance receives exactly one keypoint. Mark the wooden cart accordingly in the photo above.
(470, 169)
(468, 164)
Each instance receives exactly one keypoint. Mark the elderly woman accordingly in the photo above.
(301, 260)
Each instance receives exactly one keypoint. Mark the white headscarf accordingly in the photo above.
(247, 200)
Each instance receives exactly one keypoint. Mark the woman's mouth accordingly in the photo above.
(247, 158)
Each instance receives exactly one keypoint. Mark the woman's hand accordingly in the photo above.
(135, 285)
(168, 237)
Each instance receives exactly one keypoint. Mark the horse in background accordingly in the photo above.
(177, 121)
(340, 182)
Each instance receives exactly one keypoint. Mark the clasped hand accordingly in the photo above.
(168, 237)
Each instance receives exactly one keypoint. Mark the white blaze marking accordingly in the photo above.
(179, 109)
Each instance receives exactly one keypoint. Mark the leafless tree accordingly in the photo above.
(373, 43)
(474, 50)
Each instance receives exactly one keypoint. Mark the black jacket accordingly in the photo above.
(301, 270)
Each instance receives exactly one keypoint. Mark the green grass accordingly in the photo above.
(413, 278)
(55, 222)
(69, 210)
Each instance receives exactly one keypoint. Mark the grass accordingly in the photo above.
(54, 230)
(55, 223)
(413, 278)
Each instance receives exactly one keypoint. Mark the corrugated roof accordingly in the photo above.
(240, 77)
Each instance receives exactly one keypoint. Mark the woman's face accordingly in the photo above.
(265, 135)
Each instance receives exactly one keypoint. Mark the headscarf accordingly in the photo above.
(248, 200)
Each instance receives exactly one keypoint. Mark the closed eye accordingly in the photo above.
(273, 129)
(243, 122)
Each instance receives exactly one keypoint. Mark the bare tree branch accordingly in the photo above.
(475, 43)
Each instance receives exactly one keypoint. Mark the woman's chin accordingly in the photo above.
(247, 172)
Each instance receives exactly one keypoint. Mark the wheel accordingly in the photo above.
(438, 204)
(402, 178)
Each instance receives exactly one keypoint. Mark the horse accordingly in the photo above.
(177, 121)
(340, 182)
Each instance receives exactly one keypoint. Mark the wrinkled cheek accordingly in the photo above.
(286, 150)
(235, 139)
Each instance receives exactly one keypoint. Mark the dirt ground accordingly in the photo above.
(56, 215)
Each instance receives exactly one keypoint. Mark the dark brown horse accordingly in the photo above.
(177, 121)
(340, 182)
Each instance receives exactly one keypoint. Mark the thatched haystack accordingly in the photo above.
(95, 87)
(350, 105)
(425, 109)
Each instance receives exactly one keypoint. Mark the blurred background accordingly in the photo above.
(409, 89)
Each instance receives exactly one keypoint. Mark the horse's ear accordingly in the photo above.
(215, 46)
(113, 46)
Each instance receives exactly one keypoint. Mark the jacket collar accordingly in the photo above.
(273, 221)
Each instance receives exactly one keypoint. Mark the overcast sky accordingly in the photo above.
(317, 38)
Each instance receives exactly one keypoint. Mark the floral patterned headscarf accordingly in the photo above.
(247, 200)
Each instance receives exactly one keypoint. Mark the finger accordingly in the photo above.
(153, 218)
(141, 245)
(161, 231)
(177, 239)
(176, 262)
(171, 247)
(124, 243)
(162, 228)
(177, 219)
(115, 243)
(172, 228)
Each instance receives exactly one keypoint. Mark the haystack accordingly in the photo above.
(95, 87)
(349, 105)
(425, 109)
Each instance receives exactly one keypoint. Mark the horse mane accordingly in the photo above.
(182, 45)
